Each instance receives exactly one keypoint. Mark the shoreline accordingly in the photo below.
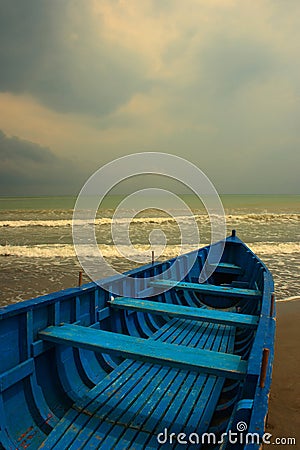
(284, 403)
(294, 298)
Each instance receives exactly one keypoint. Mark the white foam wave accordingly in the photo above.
(274, 248)
(35, 223)
(110, 251)
(67, 251)
(231, 218)
(289, 299)
(103, 221)
(267, 218)
(38, 251)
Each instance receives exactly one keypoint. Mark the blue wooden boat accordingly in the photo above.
(82, 369)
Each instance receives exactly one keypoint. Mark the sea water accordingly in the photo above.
(37, 254)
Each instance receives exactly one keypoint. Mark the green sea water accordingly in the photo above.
(248, 203)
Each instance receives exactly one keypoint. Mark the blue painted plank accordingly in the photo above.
(106, 420)
(151, 406)
(130, 414)
(208, 397)
(169, 410)
(83, 428)
(39, 347)
(117, 403)
(66, 427)
(186, 312)
(210, 289)
(193, 397)
(123, 409)
(147, 390)
(103, 314)
(16, 374)
(228, 268)
(205, 406)
(147, 350)
(187, 398)
(74, 423)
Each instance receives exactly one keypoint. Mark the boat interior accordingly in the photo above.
(85, 368)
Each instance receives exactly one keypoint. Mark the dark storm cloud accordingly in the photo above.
(219, 86)
(30, 169)
(53, 50)
(13, 148)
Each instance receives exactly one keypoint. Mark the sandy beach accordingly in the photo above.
(284, 407)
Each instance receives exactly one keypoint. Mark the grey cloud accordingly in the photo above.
(223, 69)
(229, 64)
(52, 50)
(31, 169)
(15, 148)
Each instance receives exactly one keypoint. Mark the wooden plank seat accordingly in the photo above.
(228, 268)
(138, 400)
(146, 350)
(211, 289)
(186, 312)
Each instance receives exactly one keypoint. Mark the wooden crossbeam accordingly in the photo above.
(211, 289)
(228, 268)
(147, 350)
(185, 312)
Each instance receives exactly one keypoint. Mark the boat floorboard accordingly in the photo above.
(138, 400)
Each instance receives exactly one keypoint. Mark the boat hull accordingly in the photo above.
(82, 367)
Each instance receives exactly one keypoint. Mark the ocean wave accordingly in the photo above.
(111, 251)
(273, 248)
(289, 299)
(108, 251)
(103, 221)
(35, 223)
(201, 218)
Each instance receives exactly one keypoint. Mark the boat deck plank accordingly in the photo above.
(228, 268)
(211, 289)
(144, 381)
(146, 350)
(134, 403)
(185, 312)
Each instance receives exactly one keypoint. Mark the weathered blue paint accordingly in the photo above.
(146, 350)
(116, 373)
(186, 312)
(223, 291)
(228, 268)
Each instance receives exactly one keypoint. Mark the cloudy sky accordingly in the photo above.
(85, 81)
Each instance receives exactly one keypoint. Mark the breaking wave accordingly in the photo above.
(201, 218)
(274, 248)
(289, 299)
(68, 222)
(67, 251)
(110, 251)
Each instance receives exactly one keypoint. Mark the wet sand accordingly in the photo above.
(284, 406)
(25, 281)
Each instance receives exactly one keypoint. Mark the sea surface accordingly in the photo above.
(37, 254)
